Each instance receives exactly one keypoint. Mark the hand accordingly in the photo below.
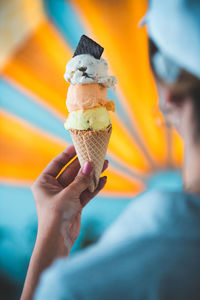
(60, 198)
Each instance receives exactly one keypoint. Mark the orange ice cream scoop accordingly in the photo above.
(86, 96)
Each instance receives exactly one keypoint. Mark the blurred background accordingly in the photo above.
(37, 39)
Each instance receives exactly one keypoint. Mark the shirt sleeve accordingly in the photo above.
(52, 285)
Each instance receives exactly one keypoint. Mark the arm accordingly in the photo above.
(59, 202)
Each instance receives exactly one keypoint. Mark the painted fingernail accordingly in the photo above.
(103, 181)
(87, 168)
(104, 178)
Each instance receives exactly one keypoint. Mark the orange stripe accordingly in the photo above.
(39, 66)
(119, 183)
(24, 150)
(19, 19)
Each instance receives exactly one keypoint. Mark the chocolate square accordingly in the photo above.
(88, 46)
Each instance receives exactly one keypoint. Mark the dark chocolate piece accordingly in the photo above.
(88, 46)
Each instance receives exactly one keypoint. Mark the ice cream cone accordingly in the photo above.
(91, 145)
(89, 121)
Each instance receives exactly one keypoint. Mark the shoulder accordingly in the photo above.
(140, 269)
(155, 240)
(147, 215)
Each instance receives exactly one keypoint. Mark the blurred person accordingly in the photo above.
(152, 250)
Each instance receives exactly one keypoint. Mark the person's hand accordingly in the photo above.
(60, 198)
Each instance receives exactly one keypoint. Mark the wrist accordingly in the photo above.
(49, 246)
(50, 238)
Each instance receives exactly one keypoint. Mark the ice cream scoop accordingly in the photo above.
(86, 96)
(85, 68)
(93, 119)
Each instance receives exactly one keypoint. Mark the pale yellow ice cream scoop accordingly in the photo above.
(95, 119)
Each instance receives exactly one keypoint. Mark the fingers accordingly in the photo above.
(105, 165)
(81, 181)
(56, 165)
(86, 196)
(69, 173)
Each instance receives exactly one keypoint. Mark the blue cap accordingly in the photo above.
(174, 26)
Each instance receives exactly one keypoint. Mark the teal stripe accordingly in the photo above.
(65, 19)
(19, 104)
(169, 180)
(18, 226)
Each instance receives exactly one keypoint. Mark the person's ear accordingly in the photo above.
(165, 98)
(169, 106)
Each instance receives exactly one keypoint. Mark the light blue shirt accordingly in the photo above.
(151, 252)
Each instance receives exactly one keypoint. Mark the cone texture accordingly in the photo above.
(91, 145)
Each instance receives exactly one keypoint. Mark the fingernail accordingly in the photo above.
(103, 181)
(87, 168)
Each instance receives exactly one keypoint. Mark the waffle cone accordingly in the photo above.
(91, 145)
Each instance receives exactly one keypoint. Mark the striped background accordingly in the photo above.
(37, 38)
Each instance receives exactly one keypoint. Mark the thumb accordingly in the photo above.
(83, 179)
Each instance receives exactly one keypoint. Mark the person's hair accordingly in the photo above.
(185, 85)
